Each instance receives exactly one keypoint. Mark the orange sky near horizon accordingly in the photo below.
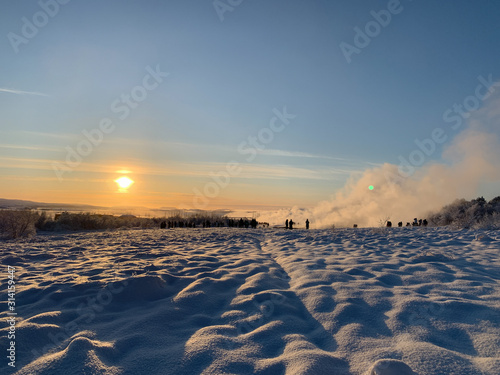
(153, 192)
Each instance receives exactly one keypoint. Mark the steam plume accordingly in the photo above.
(470, 158)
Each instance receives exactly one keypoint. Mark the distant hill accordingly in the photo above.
(477, 213)
(17, 204)
(22, 204)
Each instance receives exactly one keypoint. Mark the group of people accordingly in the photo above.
(416, 223)
(205, 223)
(222, 222)
(289, 224)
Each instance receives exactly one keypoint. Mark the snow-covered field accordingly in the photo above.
(233, 301)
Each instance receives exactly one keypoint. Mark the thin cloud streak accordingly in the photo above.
(296, 154)
(71, 137)
(21, 92)
(33, 148)
(250, 171)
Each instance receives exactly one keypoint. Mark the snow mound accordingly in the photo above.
(390, 367)
(82, 356)
(432, 257)
(482, 237)
(142, 288)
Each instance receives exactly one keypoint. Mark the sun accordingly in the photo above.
(124, 183)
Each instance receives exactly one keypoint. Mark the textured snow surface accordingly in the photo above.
(228, 301)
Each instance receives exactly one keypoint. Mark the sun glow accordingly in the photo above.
(124, 183)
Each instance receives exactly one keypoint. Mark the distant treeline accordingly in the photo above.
(23, 223)
(476, 214)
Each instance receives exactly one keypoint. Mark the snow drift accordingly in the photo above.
(400, 301)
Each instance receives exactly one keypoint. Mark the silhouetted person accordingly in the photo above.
(253, 223)
(355, 226)
(425, 222)
(420, 223)
(241, 223)
(389, 224)
(286, 224)
(290, 224)
(163, 225)
(407, 224)
(400, 224)
(307, 223)
(415, 222)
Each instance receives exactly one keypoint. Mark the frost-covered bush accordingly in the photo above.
(15, 224)
(44, 222)
(477, 214)
(88, 221)
(489, 222)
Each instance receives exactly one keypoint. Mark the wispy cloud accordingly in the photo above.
(297, 154)
(33, 148)
(68, 136)
(21, 92)
(294, 154)
(180, 169)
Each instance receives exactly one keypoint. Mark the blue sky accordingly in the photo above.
(225, 79)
